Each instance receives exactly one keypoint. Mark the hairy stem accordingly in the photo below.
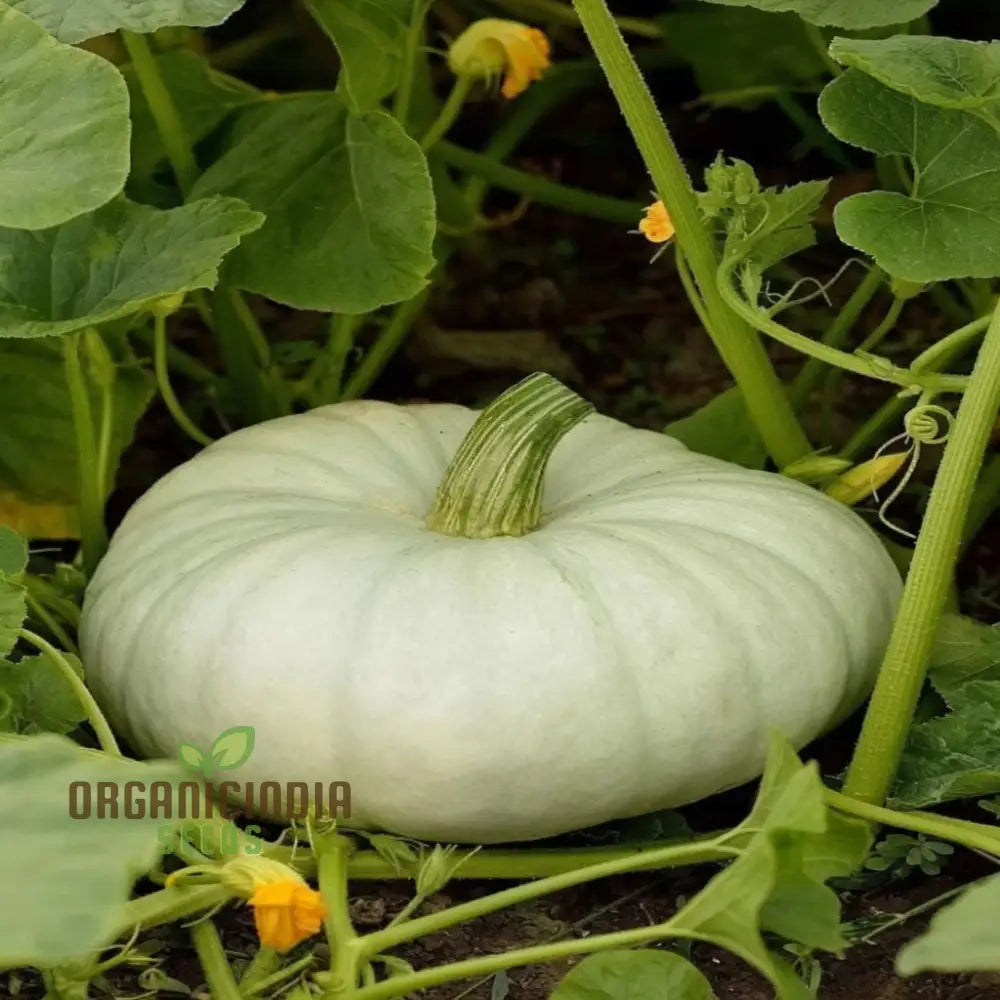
(883, 735)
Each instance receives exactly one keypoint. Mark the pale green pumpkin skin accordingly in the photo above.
(626, 656)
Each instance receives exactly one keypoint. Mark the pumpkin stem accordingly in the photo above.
(494, 483)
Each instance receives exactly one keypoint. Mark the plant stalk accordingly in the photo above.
(883, 735)
(218, 972)
(93, 533)
(736, 341)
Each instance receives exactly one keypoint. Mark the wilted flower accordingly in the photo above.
(492, 47)
(854, 485)
(657, 226)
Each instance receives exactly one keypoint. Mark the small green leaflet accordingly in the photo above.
(792, 843)
(722, 428)
(349, 205)
(370, 38)
(956, 755)
(13, 559)
(945, 72)
(112, 262)
(762, 226)
(949, 226)
(64, 127)
(963, 937)
(853, 14)
(13, 552)
(77, 20)
(61, 903)
(204, 99)
(38, 457)
(633, 975)
(38, 696)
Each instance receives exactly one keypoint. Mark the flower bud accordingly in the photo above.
(492, 47)
(816, 468)
(854, 485)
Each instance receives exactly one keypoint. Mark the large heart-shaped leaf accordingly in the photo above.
(949, 225)
(947, 72)
(853, 14)
(370, 38)
(64, 127)
(38, 696)
(38, 458)
(77, 20)
(349, 205)
(65, 879)
(111, 262)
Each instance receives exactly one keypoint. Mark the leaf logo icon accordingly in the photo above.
(230, 749)
(233, 747)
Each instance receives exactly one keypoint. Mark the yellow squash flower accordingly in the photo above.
(657, 226)
(492, 47)
(286, 913)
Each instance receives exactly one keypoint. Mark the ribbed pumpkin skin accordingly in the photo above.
(626, 656)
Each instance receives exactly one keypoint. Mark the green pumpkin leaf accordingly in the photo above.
(112, 262)
(233, 747)
(38, 456)
(791, 844)
(741, 51)
(633, 975)
(12, 613)
(204, 99)
(192, 757)
(948, 227)
(349, 205)
(722, 428)
(370, 37)
(963, 936)
(956, 755)
(41, 698)
(945, 72)
(853, 14)
(65, 879)
(13, 552)
(64, 127)
(77, 20)
(761, 226)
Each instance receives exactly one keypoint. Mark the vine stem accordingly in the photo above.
(332, 869)
(660, 857)
(880, 368)
(105, 737)
(537, 188)
(883, 734)
(736, 341)
(836, 333)
(166, 389)
(218, 972)
(94, 535)
(449, 113)
(414, 33)
(163, 110)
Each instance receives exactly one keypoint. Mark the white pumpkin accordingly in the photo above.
(622, 649)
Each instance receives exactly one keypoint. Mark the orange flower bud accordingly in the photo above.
(286, 913)
(657, 226)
